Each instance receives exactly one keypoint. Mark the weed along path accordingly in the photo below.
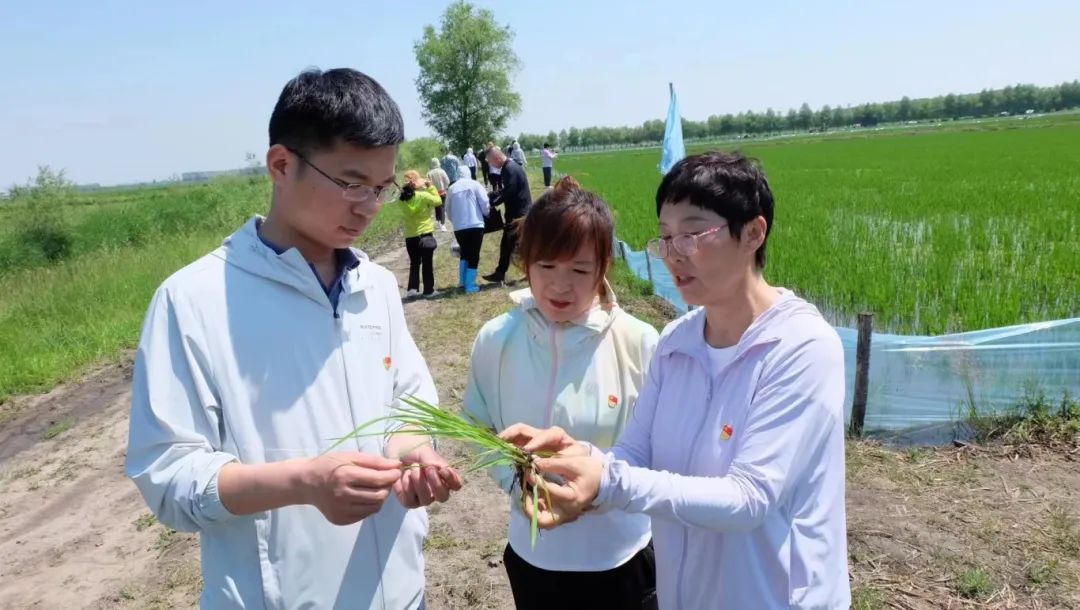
(995, 527)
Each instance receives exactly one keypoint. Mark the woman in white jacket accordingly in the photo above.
(567, 355)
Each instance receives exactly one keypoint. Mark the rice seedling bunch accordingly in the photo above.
(420, 418)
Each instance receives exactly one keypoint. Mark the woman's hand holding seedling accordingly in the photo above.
(580, 471)
(566, 502)
(536, 440)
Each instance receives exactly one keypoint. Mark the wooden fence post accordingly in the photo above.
(862, 374)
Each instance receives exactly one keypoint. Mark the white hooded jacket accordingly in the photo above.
(583, 376)
(242, 357)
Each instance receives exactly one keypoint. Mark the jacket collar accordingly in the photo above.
(597, 319)
(245, 250)
(688, 335)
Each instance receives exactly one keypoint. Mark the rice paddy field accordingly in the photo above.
(934, 231)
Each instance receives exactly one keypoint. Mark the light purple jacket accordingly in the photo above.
(741, 469)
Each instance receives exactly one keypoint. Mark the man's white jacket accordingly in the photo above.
(242, 357)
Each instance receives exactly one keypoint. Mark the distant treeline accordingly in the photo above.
(1020, 99)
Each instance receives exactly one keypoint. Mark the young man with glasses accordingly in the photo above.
(736, 446)
(256, 357)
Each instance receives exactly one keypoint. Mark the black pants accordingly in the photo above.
(470, 240)
(472, 171)
(485, 170)
(547, 176)
(507, 247)
(420, 257)
(631, 586)
(496, 182)
(440, 212)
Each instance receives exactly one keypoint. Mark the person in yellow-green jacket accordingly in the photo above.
(419, 197)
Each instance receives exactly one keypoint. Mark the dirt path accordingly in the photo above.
(937, 528)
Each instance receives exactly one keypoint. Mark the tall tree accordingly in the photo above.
(791, 121)
(840, 117)
(904, 112)
(465, 69)
(771, 122)
(806, 116)
(573, 137)
(823, 118)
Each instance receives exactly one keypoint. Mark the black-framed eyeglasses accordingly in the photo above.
(354, 191)
(685, 244)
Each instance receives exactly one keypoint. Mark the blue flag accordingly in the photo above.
(674, 150)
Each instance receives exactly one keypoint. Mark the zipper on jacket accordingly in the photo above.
(550, 409)
(339, 328)
(686, 470)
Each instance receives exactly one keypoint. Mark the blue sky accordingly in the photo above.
(118, 91)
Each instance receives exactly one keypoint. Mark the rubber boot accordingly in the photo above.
(470, 281)
(462, 266)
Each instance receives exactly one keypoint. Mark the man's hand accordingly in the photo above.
(427, 477)
(348, 486)
(581, 475)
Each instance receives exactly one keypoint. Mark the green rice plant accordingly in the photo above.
(421, 418)
(935, 232)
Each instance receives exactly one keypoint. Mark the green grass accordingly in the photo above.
(1066, 531)
(144, 521)
(934, 231)
(117, 220)
(1044, 573)
(974, 583)
(1035, 419)
(61, 318)
(866, 598)
(166, 538)
(58, 317)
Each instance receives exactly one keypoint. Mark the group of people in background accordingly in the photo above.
(450, 192)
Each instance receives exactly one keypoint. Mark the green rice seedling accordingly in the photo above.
(421, 418)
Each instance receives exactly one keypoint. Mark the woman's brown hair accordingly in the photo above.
(560, 222)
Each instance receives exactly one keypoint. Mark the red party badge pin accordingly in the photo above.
(386, 362)
(612, 401)
(726, 432)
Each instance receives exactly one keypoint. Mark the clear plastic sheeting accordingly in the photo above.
(649, 268)
(919, 382)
